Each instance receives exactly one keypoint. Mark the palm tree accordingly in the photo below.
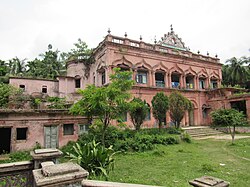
(236, 71)
(17, 66)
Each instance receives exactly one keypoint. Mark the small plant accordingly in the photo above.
(207, 168)
(93, 157)
(185, 137)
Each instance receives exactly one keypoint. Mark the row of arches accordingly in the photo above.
(174, 77)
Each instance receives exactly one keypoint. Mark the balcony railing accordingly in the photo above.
(189, 85)
(175, 85)
(160, 84)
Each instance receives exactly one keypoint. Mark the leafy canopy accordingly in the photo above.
(107, 102)
(228, 118)
(138, 110)
(178, 104)
(160, 104)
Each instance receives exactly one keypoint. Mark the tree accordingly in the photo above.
(10, 94)
(138, 111)
(17, 67)
(81, 53)
(3, 68)
(105, 103)
(178, 104)
(160, 106)
(229, 118)
(236, 72)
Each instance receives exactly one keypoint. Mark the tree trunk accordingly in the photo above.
(159, 125)
(233, 134)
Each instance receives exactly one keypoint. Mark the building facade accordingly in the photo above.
(165, 66)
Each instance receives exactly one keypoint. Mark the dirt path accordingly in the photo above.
(222, 137)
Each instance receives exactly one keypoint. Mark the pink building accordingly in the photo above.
(166, 65)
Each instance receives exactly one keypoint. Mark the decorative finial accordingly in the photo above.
(198, 52)
(171, 28)
(125, 35)
(207, 53)
(140, 37)
(216, 55)
(155, 41)
(109, 31)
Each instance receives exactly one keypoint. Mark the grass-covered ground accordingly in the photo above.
(175, 165)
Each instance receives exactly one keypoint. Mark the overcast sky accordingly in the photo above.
(218, 26)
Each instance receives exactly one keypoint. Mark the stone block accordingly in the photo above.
(207, 181)
(59, 175)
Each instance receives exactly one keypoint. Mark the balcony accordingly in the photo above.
(190, 86)
(160, 84)
(175, 85)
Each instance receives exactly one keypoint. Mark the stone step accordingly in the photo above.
(201, 131)
(212, 132)
(204, 134)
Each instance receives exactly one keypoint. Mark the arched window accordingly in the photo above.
(148, 116)
(77, 81)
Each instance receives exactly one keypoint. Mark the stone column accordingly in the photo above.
(181, 81)
(184, 82)
(195, 83)
(153, 78)
(149, 78)
(166, 79)
(134, 75)
(208, 82)
(169, 80)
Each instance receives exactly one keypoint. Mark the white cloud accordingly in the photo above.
(27, 27)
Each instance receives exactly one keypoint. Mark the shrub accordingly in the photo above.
(93, 157)
(185, 137)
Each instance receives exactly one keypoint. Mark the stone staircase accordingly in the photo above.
(201, 131)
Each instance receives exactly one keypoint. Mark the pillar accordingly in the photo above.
(153, 78)
(166, 79)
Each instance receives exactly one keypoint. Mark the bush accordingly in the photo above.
(93, 157)
(185, 137)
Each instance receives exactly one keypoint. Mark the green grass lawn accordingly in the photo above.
(175, 165)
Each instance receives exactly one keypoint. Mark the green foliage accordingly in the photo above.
(178, 104)
(107, 102)
(17, 67)
(186, 137)
(16, 157)
(9, 95)
(80, 52)
(228, 118)
(57, 103)
(236, 71)
(138, 110)
(160, 106)
(4, 69)
(93, 157)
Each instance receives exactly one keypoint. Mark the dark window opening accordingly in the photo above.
(175, 80)
(77, 83)
(68, 129)
(44, 89)
(202, 83)
(21, 86)
(5, 134)
(141, 77)
(190, 82)
(214, 84)
(103, 77)
(159, 79)
(148, 116)
(240, 106)
(21, 133)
